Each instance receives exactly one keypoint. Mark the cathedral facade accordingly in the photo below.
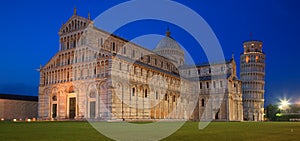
(99, 76)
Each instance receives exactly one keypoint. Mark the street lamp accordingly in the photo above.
(284, 104)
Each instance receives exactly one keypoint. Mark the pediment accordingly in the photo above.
(73, 24)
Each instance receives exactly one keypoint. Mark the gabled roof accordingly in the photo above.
(214, 63)
(207, 64)
(210, 77)
(74, 23)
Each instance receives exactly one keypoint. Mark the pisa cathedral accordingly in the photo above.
(99, 76)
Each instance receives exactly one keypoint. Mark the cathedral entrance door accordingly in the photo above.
(92, 109)
(217, 115)
(72, 108)
(54, 110)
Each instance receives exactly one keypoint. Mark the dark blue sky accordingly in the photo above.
(29, 37)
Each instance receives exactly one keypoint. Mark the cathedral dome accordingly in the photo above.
(167, 43)
(170, 49)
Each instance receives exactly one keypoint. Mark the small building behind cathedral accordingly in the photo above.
(99, 76)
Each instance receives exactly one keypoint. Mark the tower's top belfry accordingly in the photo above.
(253, 46)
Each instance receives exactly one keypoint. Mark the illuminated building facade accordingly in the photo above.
(253, 79)
(96, 75)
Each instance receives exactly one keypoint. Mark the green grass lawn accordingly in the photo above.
(73, 131)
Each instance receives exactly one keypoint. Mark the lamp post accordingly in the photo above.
(284, 104)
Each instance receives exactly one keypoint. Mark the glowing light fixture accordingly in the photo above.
(284, 104)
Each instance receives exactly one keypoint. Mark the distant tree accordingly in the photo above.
(271, 112)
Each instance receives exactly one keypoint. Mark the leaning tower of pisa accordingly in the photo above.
(252, 74)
